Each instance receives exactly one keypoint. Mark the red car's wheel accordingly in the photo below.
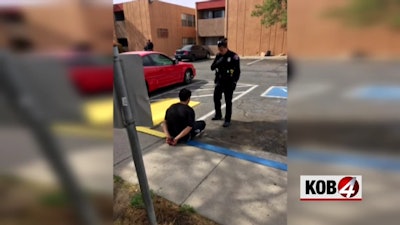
(188, 77)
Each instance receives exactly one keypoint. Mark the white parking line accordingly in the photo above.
(209, 95)
(209, 83)
(159, 96)
(174, 90)
(256, 61)
(224, 105)
(201, 96)
(205, 89)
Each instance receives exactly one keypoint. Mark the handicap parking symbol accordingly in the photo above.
(276, 92)
(384, 93)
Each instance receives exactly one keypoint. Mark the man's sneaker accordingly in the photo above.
(217, 118)
(199, 135)
(226, 124)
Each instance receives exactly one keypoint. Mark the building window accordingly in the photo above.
(119, 16)
(219, 14)
(211, 40)
(123, 42)
(188, 41)
(188, 20)
(162, 33)
(208, 14)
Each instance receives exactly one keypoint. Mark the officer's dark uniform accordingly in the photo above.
(227, 73)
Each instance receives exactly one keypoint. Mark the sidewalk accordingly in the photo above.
(228, 190)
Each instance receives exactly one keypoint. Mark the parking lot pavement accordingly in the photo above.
(258, 123)
(226, 188)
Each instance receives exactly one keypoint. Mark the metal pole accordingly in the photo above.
(34, 118)
(129, 121)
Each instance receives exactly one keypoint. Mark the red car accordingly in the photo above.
(93, 75)
(161, 71)
(89, 73)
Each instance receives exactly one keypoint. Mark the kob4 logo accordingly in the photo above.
(331, 188)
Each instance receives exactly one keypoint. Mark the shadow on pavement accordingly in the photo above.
(196, 84)
(268, 136)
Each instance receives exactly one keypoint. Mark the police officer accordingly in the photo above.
(227, 72)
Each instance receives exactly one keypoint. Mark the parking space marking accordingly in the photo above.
(202, 96)
(210, 95)
(159, 108)
(224, 105)
(334, 158)
(83, 130)
(195, 95)
(150, 131)
(239, 155)
(375, 92)
(276, 92)
(255, 61)
(205, 89)
(92, 108)
(174, 90)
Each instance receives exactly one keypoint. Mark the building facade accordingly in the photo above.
(210, 22)
(75, 25)
(168, 26)
(232, 19)
(313, 35)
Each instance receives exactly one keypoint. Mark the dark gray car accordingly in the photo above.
(193, 52)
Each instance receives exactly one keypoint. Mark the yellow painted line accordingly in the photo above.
(150, 131)
(99, 112)
(77, 130)
(158, 109)
(83, 131)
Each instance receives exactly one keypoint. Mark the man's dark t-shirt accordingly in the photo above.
(178, 117)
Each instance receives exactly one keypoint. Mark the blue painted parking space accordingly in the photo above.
(360, 161)
(276, 92)
(377, 93)
(239, 155)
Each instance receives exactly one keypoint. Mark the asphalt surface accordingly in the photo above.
(226, 189)
(258, 123)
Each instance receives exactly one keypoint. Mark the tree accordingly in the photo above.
(272, 12)
(368, 12)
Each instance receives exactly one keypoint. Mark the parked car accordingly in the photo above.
(193, 52)
(88, 73)
(161, 71)
(91, 74)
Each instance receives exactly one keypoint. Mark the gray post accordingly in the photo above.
(33, 117)
(129, 121)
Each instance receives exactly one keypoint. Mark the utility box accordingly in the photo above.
(132, 67)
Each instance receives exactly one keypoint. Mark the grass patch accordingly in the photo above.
(55, 199)
(129, 208)
(187, 209)
(137, 200)
(27, 202)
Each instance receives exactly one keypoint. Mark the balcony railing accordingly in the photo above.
(211, 27)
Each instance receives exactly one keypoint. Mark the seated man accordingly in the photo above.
(179, 124)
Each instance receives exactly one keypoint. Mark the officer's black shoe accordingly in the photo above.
(226, 124)
(217, 118)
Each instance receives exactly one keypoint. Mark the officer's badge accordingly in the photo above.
(229, 59)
